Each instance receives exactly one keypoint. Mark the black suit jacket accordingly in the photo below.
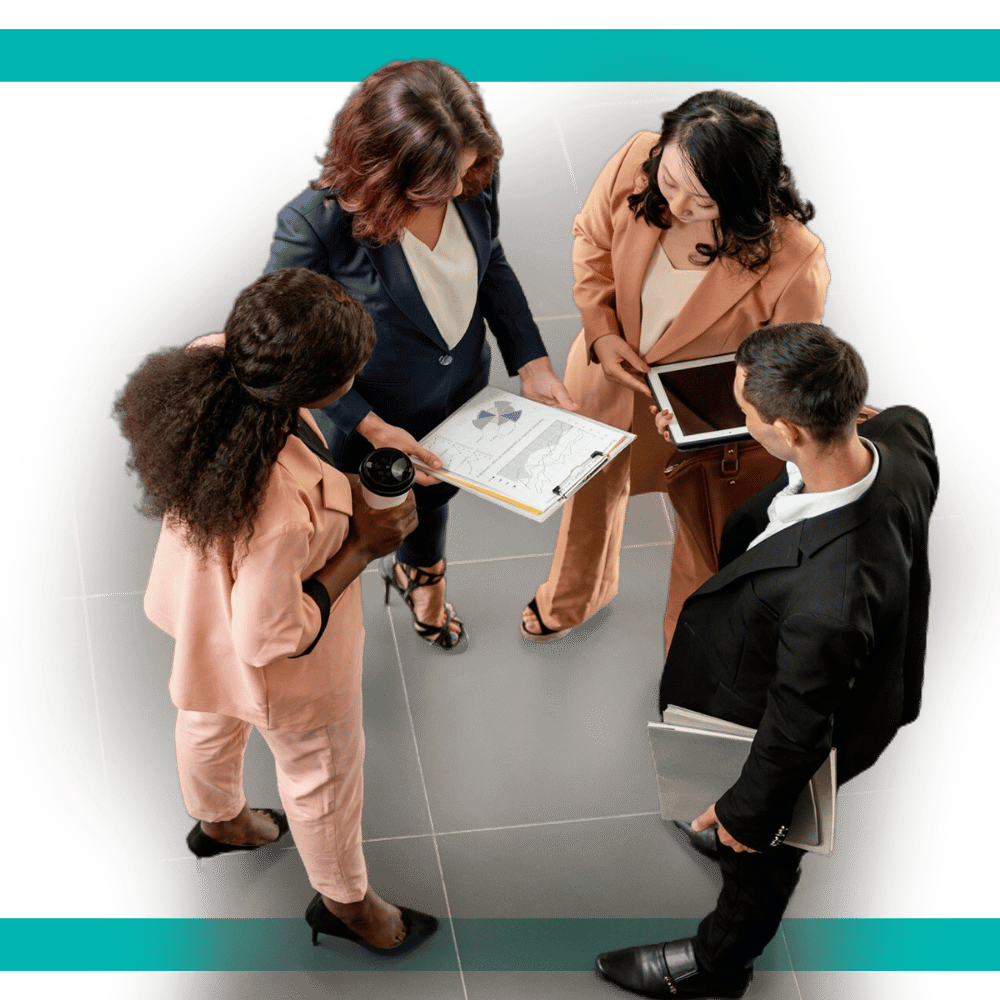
(815, 636)
(412, 380)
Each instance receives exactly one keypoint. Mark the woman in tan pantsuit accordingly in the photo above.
(688, 242)
(256, 579)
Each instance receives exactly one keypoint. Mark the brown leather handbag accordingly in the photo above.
(707, 485)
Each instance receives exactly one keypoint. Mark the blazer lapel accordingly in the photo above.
(724, 284)
(630, 271)
(474, 218)
(397, 280)
(780, 550)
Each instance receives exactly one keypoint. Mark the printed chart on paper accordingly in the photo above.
(520, 453)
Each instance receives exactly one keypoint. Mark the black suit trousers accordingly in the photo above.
(756, 889)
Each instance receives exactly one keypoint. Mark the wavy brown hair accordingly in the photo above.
(396, 146)
(732, 146)
(206, 423)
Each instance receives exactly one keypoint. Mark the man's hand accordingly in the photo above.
(707, 819)
(539, 382)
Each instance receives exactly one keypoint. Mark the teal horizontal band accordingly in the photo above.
(502, 54)
(485, 945)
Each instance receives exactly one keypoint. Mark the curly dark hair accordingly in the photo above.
(733, 148)
(206, 422)
(396, 146)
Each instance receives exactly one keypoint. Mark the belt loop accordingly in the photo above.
(730, 460)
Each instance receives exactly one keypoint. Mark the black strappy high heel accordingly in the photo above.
(437, 635)
(418, 926)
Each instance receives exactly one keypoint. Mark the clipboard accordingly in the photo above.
(698, 757)
(522, 455)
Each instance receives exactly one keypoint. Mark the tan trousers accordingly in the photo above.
(583, 577)
(320, 783)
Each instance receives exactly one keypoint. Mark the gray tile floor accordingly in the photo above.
(511, 782)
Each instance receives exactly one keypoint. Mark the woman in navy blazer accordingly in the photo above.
(411, 139)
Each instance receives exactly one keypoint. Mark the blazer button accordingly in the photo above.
(445, 359)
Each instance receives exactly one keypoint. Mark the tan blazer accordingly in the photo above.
(237, 624)
(611, 252)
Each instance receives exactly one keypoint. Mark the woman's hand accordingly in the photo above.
(662, 419)
(383, 435)
(376, 533)
(620, 363)
(539, 382)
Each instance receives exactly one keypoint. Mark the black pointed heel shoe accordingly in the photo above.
(202, 845)
(418, 926)
(705, 842)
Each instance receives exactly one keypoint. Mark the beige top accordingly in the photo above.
(237, 622)
(665, 289)
(446, 277)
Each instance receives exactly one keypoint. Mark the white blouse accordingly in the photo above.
(446, 276)
(665, 289)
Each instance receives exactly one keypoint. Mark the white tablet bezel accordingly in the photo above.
(707, 438)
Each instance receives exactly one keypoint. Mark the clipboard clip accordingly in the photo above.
(573, 482)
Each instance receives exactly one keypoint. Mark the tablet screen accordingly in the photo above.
(702, 398)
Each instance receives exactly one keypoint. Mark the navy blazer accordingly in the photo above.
(815, 636)
(412, 380)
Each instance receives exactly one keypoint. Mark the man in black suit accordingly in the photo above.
(813, 632)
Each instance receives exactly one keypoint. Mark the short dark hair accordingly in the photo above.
(396, 146)
(206, 423)
(803, 373)
(734, 149)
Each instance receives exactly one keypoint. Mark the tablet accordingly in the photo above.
(699, 393)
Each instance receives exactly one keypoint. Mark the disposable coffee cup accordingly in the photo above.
(387, 475)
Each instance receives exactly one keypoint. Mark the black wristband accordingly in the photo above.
(321, 596)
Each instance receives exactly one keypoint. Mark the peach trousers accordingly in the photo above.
(320, 782)
(583, 577)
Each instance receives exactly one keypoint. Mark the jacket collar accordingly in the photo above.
(308, 470)
(390, 264)
(806, 538)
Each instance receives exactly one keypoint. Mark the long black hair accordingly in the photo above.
(206, 423)
(733, 148)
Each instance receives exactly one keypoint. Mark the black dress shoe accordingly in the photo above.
(203, 846)
(705, 842)
(668, 970)
(418, 927)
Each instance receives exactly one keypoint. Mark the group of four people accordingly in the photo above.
(382, 277)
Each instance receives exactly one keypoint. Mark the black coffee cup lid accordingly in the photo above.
(387, 472)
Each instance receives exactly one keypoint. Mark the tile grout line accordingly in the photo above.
(666, 514)
(458, 562)
(791, 964)
(90, 649)
(484, 829)
(569, 164)
(427, 800)
(527, 555)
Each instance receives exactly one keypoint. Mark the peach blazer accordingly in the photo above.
(237, 624)
(611, 252)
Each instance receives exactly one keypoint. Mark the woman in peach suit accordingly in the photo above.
(688, 242)
(255, 577)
